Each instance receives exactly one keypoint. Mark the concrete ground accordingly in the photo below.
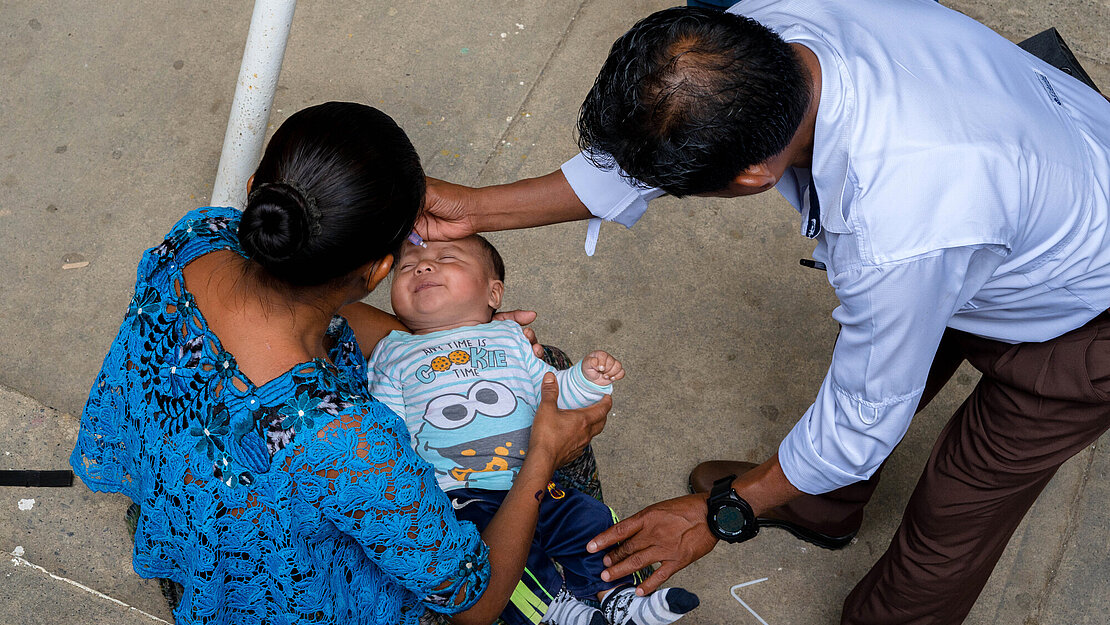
(111, 118)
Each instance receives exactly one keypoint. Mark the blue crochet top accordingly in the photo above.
(297, 501)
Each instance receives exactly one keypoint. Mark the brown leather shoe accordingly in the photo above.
(831, 535)
(703, 475)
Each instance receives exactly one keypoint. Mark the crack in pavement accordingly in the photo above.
(500, 140)
(1069, 532)
(20, 561)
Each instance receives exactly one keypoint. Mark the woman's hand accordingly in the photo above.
(523, 318)
(448, 212)
(558, 435)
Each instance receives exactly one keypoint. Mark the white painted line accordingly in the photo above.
(18, 561)
(747, 607)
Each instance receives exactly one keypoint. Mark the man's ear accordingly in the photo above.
(496, 291)
(756, 179)
(376, 271)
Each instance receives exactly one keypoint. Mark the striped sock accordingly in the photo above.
(567, 610)
(622, 607)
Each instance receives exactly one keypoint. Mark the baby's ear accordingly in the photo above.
(496, 291)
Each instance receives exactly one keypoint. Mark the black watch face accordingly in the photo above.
(730, 520)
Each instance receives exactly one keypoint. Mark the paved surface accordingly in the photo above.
(111, 119)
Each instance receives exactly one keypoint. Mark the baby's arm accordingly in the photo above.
(382, 385)
(576, 390)
(385, 390)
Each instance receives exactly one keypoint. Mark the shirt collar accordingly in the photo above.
(835, 115)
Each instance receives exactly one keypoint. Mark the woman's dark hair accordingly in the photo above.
(340, 185)
(690, 97)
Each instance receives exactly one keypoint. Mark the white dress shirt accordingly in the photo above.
(963, 183)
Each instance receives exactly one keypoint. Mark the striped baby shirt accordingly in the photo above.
(468, 396)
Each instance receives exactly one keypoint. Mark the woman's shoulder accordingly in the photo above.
(347, 354)
(200, 231)
(337, 414)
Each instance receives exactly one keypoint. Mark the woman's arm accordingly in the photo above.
(558, 436)
(369, 324)
(359, 470)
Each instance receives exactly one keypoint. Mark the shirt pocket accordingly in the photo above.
(843, 253)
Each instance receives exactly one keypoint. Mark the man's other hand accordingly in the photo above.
(673, 533)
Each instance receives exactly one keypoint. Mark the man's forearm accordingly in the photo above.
(528, 203)
(765, 486)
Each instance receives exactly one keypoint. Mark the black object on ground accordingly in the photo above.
(36, 478)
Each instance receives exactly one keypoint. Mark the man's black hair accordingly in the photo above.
(690, 97)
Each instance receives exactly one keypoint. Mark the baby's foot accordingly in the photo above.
(622, 607)
(568, 610)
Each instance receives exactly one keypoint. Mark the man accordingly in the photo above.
(959, 193)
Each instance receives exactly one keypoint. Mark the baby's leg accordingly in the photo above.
(567, 609)
(566, 525)
(540, 595)
(621, 606)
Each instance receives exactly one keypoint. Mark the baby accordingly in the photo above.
(468, 388)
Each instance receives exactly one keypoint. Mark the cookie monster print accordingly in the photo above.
(483, 433)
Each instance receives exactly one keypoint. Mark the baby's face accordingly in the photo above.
(445, 285)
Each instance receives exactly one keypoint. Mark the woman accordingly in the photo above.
(233, 406)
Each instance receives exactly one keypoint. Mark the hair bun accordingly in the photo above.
(279, 220)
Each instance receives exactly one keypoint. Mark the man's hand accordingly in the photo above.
(448, 212)
(601, 368)
(673, 533)
(453, 211)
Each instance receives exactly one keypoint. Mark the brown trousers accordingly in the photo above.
(1037, 405)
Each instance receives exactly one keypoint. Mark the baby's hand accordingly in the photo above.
(601, 368)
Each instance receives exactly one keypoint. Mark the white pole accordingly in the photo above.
(254, 96)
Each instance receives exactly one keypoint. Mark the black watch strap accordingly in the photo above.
(722, 486)
(730, 518)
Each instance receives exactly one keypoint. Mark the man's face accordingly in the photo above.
(444, 285)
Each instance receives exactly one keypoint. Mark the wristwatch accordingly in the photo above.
(730, 517)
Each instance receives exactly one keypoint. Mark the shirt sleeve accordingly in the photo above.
(385, 389)
(575, 391)
(361, 473)
(892, 317)
(608, 194)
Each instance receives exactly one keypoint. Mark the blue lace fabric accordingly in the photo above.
(297, 501)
